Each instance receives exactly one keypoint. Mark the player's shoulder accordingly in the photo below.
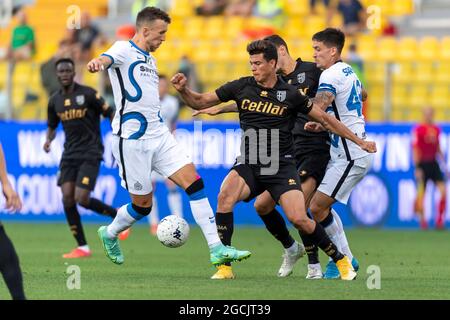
(54, 96)
(121, 44)
(80, 88)
(308, 66)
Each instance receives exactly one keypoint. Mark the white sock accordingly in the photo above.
(175, 202)
(345, 249)
(204, 217)
(292, 249)
(84, 248)
(153, 217)
(122, 221)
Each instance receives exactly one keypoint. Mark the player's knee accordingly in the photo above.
(225, 201)
(83, 200)
(262, 208)
(68, 200)
(302, 223)
(316, 210)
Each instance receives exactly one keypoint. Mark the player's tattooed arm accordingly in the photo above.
(193, 99)
(213, 111)
(323, 99)
(332, 124)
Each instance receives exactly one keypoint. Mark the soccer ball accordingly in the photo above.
(173, 231)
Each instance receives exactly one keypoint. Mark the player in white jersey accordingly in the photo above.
(339, 93)
(142, 143)
(170, 107)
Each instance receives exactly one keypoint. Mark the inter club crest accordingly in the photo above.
(80, 100)
(281, 95)
(301, 77)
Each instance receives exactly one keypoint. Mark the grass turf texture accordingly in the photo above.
(413, 264)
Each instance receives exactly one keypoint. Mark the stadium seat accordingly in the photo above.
(367, 47)
(424, 72)
(399, 96)
(402, 72)
(407, 49)
(429, 48)
(445, 48)
(418, 96)
(387, 49)
(375, 71)
(296, 8)
(439, 97)
(214, 27)
(442, 72)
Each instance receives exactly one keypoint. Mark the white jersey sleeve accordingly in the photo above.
(117, 53)
(343, 83)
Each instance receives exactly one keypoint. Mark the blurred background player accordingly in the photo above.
(79, 108)
(427, 158)
(170, 107)
(9, 262)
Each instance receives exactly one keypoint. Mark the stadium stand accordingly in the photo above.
(416, 67)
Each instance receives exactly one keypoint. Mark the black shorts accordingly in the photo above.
(83, 172)
(312, 164)
(431, 171)
(285, 180)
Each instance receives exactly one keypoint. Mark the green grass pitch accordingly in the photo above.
(413, 265)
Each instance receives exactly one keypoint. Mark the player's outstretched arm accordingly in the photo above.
(99, 64)
(193, 99)
(213, 111)
(332, 124)
(12, 199)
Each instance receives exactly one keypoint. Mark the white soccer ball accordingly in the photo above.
(173, 231)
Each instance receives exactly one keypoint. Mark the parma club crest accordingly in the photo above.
(301, 77)
(80, 100)
(281, 95)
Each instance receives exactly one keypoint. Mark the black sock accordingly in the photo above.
(328, 220)
(311, 249)
(10, 268)
(320, 238)
(74, 220)
(102, 208)
(225, 227)
(277, 227)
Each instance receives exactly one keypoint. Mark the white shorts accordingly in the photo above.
(342, 176)
(137, 159)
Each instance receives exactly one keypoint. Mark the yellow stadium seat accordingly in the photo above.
(402, 7)
(442, 72)
(202, 52)
(439, 97)
(314, 24)
(367, 47)
(402, 72)
(294, 30)
(445, 48)
(194, 28)
(375, 72)
(223, 52)
(387, 49)
(214, 27)
(424, 72)
(294, 8)
(407, 49)
(418, 96)
(429, 48)
(399, 96)
(233, 28)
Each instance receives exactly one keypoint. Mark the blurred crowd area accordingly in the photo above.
(207, 40)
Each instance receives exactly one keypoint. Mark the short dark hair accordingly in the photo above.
(277, 41)
(331, 37)
(267, 48)
(150, 14)
(64, 60)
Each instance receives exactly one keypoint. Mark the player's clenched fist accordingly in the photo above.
(95, 65)
(369, 146)
(179, 81)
